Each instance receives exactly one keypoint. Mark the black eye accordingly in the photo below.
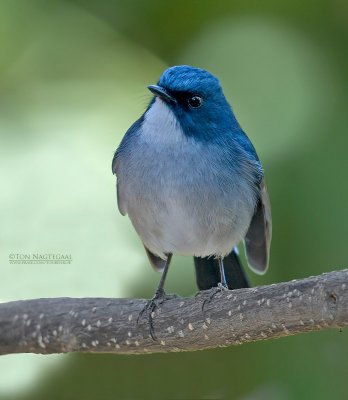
(195, 101)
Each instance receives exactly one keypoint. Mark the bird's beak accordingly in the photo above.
(161, 92)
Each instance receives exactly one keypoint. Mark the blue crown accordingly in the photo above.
(186, 78)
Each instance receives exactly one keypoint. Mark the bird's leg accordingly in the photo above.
(222, 285)
(159, 297)
(160, 289)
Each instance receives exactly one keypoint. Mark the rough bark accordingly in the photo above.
(101, 325)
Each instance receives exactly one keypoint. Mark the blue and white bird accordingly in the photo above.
(191, 182)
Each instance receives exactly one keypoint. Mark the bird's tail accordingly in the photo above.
(208, 273)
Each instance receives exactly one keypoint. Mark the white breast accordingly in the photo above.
(160, 126)
(176, 198)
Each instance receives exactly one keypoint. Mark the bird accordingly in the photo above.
(192, 183)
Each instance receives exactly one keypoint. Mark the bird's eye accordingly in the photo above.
(195, 101)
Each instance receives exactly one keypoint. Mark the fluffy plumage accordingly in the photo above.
(189, 178)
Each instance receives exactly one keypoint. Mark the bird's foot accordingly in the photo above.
(150, 307)
(213, 292)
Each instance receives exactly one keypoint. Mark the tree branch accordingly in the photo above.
(100, 325)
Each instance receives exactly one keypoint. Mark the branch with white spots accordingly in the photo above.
(100, 325)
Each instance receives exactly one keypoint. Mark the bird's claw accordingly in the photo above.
(159, 298)
(222, 287)
(213, 292)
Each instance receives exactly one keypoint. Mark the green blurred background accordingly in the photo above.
(73, 77)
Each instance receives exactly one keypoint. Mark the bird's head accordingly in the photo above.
(196, 98)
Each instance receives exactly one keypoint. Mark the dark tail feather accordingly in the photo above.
(208, 274)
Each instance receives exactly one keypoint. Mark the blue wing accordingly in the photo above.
(258, 238)
(122, 149)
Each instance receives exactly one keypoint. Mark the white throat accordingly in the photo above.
(161, 125)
